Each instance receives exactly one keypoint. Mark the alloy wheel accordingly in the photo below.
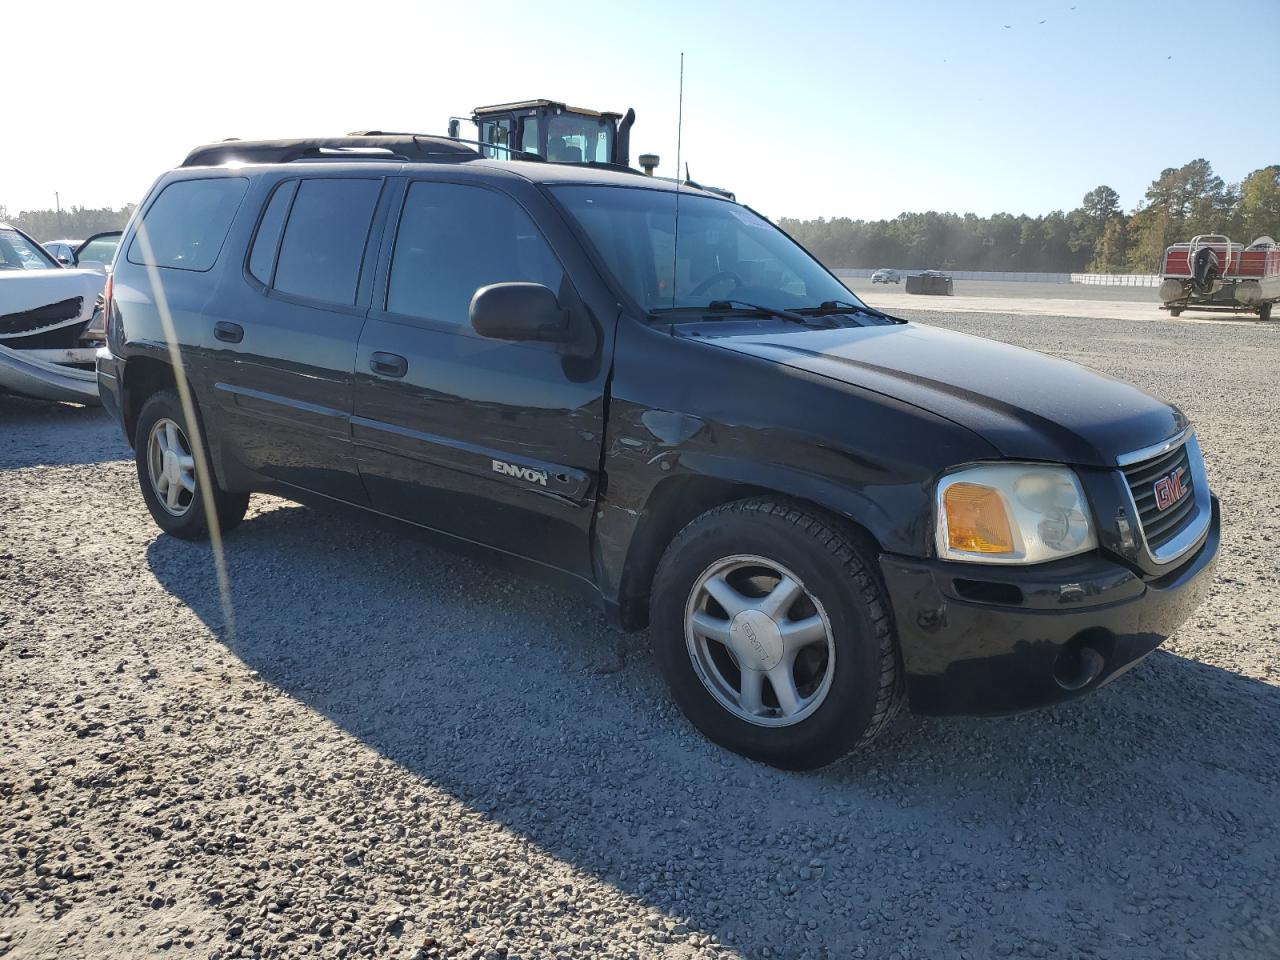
(759, 640)
(171, 467)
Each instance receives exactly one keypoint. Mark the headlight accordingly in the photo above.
(1012, 513)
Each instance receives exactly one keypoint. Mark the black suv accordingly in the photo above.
(651, 394)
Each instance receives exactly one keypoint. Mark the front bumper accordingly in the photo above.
(982, 639)
(24, 372)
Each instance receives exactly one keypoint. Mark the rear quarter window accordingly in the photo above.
(262, 259)
(186, 226)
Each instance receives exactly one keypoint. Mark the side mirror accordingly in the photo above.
(519, 311)
(65, 261)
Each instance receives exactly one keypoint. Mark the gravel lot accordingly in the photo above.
(395, 752)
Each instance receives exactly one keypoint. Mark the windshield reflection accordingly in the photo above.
(725, 251)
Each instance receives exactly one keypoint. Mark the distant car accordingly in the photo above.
(99, 248)
(886, 276)
(50, 323)
(64, 251)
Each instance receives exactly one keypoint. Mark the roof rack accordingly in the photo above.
(368, 146)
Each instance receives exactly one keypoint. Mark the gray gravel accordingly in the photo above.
(396, 752)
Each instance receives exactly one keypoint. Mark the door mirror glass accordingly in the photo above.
(518, 311)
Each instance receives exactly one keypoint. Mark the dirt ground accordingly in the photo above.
(1037, 299)
(394, 752)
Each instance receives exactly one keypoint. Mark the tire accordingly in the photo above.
(184, 515)
(844, 687)
(1264, 312)
(1175, 311)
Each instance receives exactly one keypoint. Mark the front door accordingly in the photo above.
(282, 373)
(493, 442)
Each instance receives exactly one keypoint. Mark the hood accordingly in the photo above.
(1027, 405)
(32, 299)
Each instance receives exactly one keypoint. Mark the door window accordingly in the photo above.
(454, 239)
(186, 225)
(324, 240)
(497, 133)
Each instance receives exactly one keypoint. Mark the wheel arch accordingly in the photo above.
(678, 500)
(143, 376)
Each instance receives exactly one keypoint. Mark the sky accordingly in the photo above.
(804, 109)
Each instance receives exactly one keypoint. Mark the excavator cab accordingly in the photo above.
(553, 131)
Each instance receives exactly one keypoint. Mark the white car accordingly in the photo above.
(885, 275)
(50, 330)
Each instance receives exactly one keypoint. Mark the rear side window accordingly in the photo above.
(324, 240)
(454, 239)
(262, 259)
(187, 224)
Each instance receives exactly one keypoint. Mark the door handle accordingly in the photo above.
(228, 332)
(388, 364)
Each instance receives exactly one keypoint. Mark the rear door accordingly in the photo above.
(282, 373)
(494, 442)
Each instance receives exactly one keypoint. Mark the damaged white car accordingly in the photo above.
(51, 322)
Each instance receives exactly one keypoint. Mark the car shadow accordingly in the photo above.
(505, 694)
(43, 432)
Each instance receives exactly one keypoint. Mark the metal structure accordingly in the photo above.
(553, 131)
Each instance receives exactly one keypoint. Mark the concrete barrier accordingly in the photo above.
(1091, 279)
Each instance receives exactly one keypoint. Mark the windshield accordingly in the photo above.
(19, 253)
(573, 138)
(725, 252)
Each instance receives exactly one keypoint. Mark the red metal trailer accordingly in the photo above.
(1213, 274)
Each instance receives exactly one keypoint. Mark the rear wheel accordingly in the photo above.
(165, 458)
(1175, 311)
(774, 635)
(1264, 313)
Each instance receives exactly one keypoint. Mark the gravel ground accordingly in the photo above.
(395, 752)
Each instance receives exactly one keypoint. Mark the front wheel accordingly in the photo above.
(166, 462)
(774, 634)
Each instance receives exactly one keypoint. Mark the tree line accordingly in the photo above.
(1096, 237)
(74, 223)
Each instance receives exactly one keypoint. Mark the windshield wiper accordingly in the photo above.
(843, 306)
(724, 307)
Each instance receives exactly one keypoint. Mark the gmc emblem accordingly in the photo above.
(1170, 489)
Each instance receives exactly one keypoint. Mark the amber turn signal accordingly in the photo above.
(977, 521)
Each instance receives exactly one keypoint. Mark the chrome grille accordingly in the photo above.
(1159, 527)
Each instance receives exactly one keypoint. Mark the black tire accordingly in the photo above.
(1175, 311)
(1264, 312)
(193, 522)
(866, 686)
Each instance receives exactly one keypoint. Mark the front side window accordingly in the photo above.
(454, 239)
(724, 251)
(185, 227)
(19, 253)
(324, 240)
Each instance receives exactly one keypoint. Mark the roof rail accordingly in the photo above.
(512, 152)
(370, 146)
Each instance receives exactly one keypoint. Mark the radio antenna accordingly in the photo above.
(675, 244)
